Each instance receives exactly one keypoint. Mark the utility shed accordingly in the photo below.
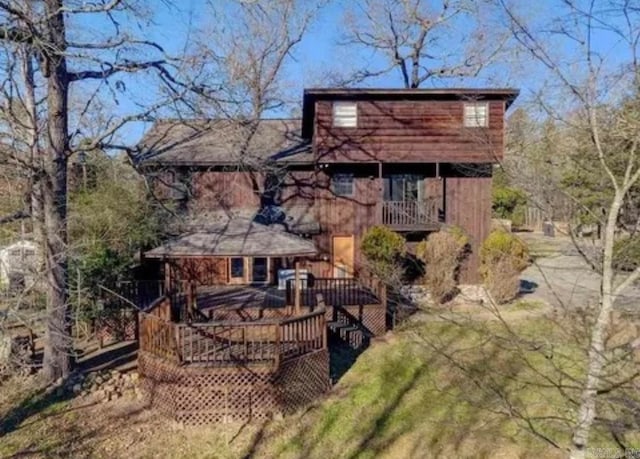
(20, 264)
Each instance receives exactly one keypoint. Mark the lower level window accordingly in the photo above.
(237, 267)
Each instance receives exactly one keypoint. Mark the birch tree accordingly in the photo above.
(593, 90)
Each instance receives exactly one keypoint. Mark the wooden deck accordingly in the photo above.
(215, 354)
(233, 343)
(231, 298)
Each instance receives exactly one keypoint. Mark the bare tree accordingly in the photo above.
(423, 40)
(47, 42)
(597, 101)
(249, 63)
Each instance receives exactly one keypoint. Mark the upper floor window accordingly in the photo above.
(342, 184)
(476, 114)
(345, 114)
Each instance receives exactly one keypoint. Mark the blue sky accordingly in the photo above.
(317, 55)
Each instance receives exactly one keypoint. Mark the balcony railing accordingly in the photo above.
(410, 214)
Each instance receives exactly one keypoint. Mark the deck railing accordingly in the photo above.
(410, 213)
(157, 336)
(338, 291)
(232, 343)
(373, 283)
(304, 334)
(128, 294)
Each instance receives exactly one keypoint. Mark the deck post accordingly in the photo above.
(167, 276)
(278, 351)
(296, 301)
(380, 210)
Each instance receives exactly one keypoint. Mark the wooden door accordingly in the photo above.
(343, 254)
(260, 270)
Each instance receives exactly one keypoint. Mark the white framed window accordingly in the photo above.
(476, 114)
(345, 114)
(342, 184)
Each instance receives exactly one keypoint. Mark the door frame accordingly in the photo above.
(267, 280)
(245, 272)
(247, 277)
(349, 270)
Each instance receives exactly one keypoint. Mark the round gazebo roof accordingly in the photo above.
(236, 238)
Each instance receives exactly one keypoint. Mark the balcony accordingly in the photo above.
(418, 215)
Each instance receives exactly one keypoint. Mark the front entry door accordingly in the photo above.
(343, 253)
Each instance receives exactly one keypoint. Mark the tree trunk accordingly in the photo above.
(58, 360)
(596, 362)
(35, 157)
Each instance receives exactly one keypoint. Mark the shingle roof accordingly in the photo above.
(236, 237)
(296, 219)
(224, 142)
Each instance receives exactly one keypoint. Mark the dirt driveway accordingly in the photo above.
(561, 277)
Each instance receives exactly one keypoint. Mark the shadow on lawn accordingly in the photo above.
(43, 398)
(113, 357)
(36, 403)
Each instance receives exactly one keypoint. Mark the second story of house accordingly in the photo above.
(406, 125)
(408, 159)
(360, 145)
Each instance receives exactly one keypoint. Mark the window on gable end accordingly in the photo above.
(476, 114)
(345, 114)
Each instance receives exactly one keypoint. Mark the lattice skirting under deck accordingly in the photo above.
(203, 395)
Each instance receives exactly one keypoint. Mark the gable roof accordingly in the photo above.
(224, 142)
(236, 237)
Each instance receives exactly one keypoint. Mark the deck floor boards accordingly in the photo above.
(232, 297)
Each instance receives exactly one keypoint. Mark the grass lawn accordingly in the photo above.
(439, 388)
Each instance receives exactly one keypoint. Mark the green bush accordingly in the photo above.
(509, 203)
(383, 249)
(443, 253)
(626, 253)
(502, 257)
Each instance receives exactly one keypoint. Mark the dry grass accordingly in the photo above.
(82, 428)
(449, 388)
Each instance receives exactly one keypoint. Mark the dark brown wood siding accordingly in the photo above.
(468, 205)
(346, 215)
(217, 190)
(201, 270)
(214, 190)
(409, 131)
(354, 215)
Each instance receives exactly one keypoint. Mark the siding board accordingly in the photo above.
(468, 201)
(418, 131)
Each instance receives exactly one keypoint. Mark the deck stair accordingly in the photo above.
(348, 329)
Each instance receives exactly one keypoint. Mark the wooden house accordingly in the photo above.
(267, 260)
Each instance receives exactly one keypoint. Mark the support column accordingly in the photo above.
(296, 301)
